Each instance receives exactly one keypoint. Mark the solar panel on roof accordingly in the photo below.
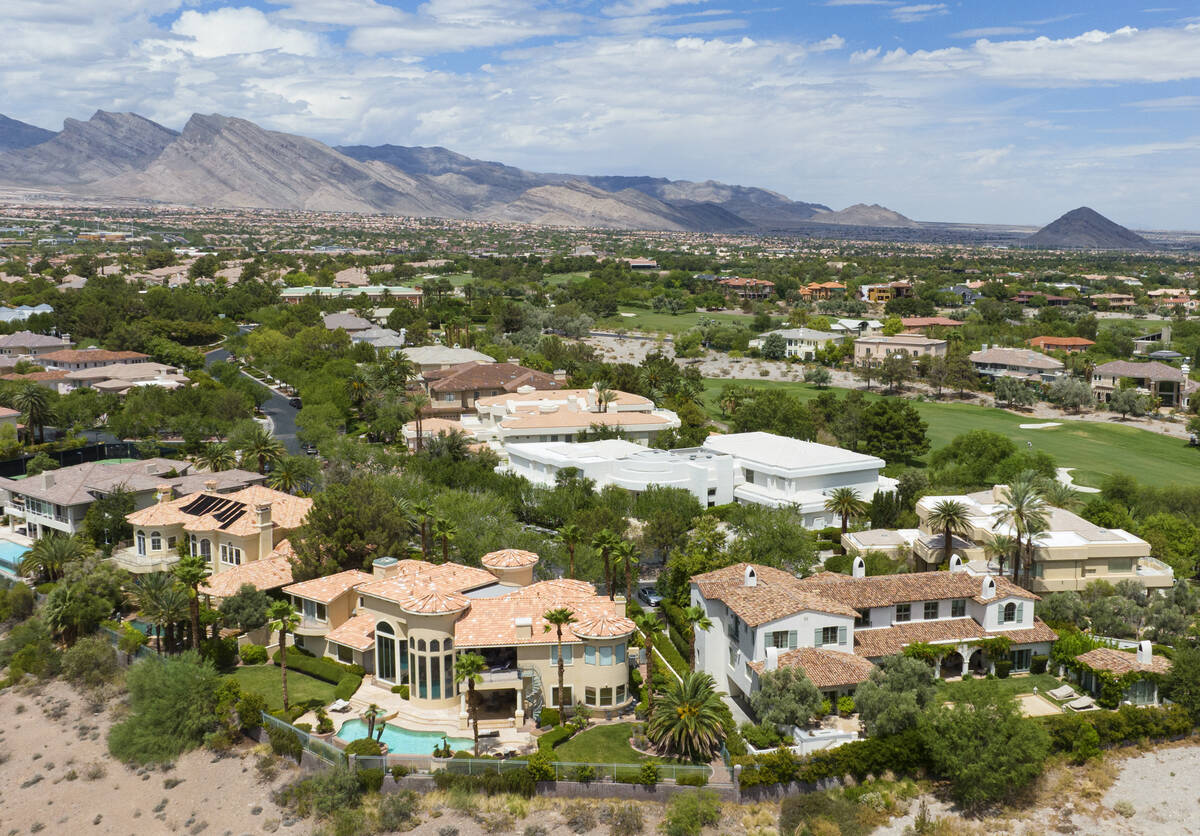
(225, 511)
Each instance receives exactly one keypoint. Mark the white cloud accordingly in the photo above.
(990, 32)
(244, 31)
(634, 8)
(918, 12)
(1168, 103)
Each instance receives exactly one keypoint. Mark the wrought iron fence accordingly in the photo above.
(322, 749)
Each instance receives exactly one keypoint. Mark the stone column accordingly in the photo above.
(966, 657)
(462, 709)
(519, 717)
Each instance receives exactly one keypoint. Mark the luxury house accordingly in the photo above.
(1068, 344)
(874, 350)
(75, 359)
(29, 344)
(1022, 363)
(58, 500)
(833, 627)
(228, 529)
(801, 342)
(406, 620)
(454, 390)
(1170, 385)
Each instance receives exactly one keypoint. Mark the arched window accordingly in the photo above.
(155, 541)
(420, 645)
(448, 644)
(384, 627)
(1010, 613)
(434, 646)
(205, 548)
(141, 542)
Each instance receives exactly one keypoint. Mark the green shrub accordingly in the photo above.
(689, 814)
(173, 705)
(399, 770)
(667, 648)
(1128, 724)
(398, 811)
(514, 781)
(584, 773)
(580, 817)
(250, 709)
(222, 653)
(845, 706)
(321, 667)
(253, 654)
(823, 812)
(304, 727)
(540, 766)
(549, 717)
(555, 737)
(1038, 664)
(129, 638)
(324, 724)
(625, 820)
(364, 746)
(91, 662)
(761, 736)
(346, 686)
(1003, 668)
(735, 744)
(324, 793)
(29, 648)
(285, 743)
(692, 779)
(902, 754)
(402, 690)
(371, 780)
(648, 775)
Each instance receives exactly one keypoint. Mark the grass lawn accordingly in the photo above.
(600, 744)
(1094, 449)
(563, 278)
(1013, 685)
(265, 679)
(664, 323)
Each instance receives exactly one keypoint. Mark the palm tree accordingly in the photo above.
(846, 503)
(604, 396)
(284, 618)
(162, 601)
(216, 457)
(444, 530)
(1024, 509)
(191, 570)
(50, 555)
(697, 619)
(570, 535)
(628, 556)
(648, 625)
(606, 542)
(33, 400)
(950, 517)
(424, 512)
(1002, 546)
(559, 618)
(687, 720)
(418, 402)
(289, 474)
(469, 668)
(359, 390)
(1060, 494)
(263, 446)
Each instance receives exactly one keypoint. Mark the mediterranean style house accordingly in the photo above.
(229, 529)
(405, 621)
(834, 626)
(873, 351)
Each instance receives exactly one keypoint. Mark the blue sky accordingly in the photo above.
(1008, 112)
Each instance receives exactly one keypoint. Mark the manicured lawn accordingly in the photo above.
(600, 744)
(1094, 449)
(664, 323)
(1013, 685)
(265, 679)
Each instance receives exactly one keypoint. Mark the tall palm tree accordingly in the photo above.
(950, 517)
(423, 511)
(570, 535)
(686, 722)
(191, 570)
(697, 619)
(418, 402)
(648, 625)
(289, 474)
(1060, 494)
(604, 397)
(1002, 546)
(846, 503)
(628, 556)
(216, 457)
(606, 542)
(1024, 509)
(163, 601)
(263, 446)
(444, 530)
(558, 618)
(359, 389)
(33, 400)
(49, 556)
(469, 668)
(284, 618)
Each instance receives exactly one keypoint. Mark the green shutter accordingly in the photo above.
(1020, 613)
(841, 635)
(817, 637)
(791, 639)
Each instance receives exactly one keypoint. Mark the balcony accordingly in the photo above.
(311, 627)
(141, 564)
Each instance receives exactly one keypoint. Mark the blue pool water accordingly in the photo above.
(145, 626)
(10, 556)
(401, 741)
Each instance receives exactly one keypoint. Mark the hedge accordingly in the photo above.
(364, 746)
(320, 667)
(555, 738)
(674, 658)
(346, 686)
(516, 781)
(1128, 724)
(549, 717)
(253, 654)
(903, 754)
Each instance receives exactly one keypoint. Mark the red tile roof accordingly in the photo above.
(886, 590)
(1122, 662)
(826, 668)
(774, 595)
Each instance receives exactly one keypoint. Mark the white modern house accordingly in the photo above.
(707, 475)
(777, 471)
(801, 342)
(834, 626)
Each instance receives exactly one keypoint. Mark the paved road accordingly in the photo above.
(282, 414)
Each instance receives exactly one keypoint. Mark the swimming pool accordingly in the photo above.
(145, 626)
(402, 741)
(10, 556)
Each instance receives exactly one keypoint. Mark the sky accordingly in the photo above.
(985, 112)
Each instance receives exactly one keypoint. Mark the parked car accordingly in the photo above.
(295, 403)
(649, 597)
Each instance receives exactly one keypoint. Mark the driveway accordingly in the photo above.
(282, 415)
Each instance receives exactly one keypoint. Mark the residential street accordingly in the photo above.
(281, 413)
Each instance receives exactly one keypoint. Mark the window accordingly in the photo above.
(620, 652)
(733, 656)
(782, 639)
(568, 654)
(230, 555)
(958, 608)
(589, 695)
(589, 655)
(345, 655)
(829, 635)
(863, 619)
(205, 548)
(570, 692)
(931, 610)
(1120, 566)
(620, 698)
(192, 543)
(313, 610)
(1009, 614)
(606, 695)
(171, 542)
(904, 612)
(1021, 659)
(606, 657)
(141, 542)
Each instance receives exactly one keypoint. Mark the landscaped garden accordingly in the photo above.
(600, 744)
(1014, 685)
(266, 680)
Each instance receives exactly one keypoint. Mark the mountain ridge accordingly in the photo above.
(1085, 228)
(17, 134)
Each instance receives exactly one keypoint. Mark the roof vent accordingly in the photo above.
(1145, 653)
(859, 569)
(956, 563)
(989, 589)
(751, 576)
(525, 390)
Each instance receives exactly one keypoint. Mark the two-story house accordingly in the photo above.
(834, 627)
(873, 351)
(1173, 387)
(453, 391)
(29, 344)
(802, 343)
(1023, 363)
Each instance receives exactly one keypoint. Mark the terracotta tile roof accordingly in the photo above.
(430, 427)
(775, 594)
(530, 399)
(325, 590)
(492, 621)
(1121, 662)
(582, 420)
(475, 375)
(38, 377)
(886, 590)
(603, 626)
(927, 321)
(826, 668)
(1150, 371)
(555, 589)
(357, 632)
(1042, 342)
(269, 573)
(886, 641)
(411, 576)
(91, 355)
(1040, 632)
(433, 602)
(287, 511)
(509, 559)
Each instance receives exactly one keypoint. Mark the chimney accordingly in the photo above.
(751, 577)
(384, 567)
(989, 589)
(164, 493)
(1145, 653)
(772, 663)
(956, 563)
(47, 480)
(263, 511)
(524, 627)
(859, 569)
(560, 375)
(210, 485)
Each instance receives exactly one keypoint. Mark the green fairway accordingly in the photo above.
(563, 278)
(266, 680)
(1094, 449)
(665, 323)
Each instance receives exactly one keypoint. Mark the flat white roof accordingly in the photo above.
(782, 453)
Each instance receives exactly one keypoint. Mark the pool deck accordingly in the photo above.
(9, 535)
